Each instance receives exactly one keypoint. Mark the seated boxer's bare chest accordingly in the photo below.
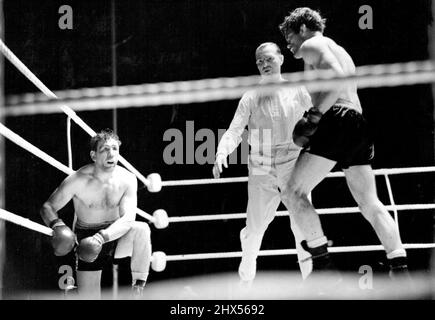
(98, 201)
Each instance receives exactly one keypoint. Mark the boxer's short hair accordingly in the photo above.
(103, 135)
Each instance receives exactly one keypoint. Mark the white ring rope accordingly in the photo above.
(68, 138)
(392, 171)
(392, 202)
(11, 217)
(406, 68)
(279, 252)
(34, 150)
(6, 215)
(340, 210)
(197, 91)
(50, 160)
(67, 110)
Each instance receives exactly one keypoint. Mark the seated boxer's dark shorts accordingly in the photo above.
(343, 136)
(107, 253)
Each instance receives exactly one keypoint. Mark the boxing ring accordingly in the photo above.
(222, 286)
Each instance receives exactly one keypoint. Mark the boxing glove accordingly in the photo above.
(63, 239)
(90, 247)
(306, 127)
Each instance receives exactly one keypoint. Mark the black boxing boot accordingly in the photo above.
(398, 268)
(320, 256)
(400, 275)
(324, 278)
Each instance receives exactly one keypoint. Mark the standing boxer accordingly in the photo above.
(333, 131)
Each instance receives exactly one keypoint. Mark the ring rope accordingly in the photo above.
(392, 202)
(32, 149)
(67, 110)
(279, 252)
(50, 160)
(391, 171)
(6, 215)
(183, 92)
(68, 138)
(225, 82)
(11, 217)
(29, 224)
(339, 210)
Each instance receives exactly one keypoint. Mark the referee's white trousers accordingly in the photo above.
(267, 180)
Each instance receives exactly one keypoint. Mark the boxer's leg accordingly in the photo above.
(89, 284)
(284, 170)
(136, 243)
(263, 200)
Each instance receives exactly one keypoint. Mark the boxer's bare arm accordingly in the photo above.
(60, 197)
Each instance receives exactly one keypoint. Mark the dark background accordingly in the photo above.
(193, 39)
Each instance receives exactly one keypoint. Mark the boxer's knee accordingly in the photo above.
(141, 229)
(295, 198)
(246, 233)
(296, 191)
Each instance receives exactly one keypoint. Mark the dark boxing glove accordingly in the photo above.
(306, 127)
(63, 239)
(90, 247)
